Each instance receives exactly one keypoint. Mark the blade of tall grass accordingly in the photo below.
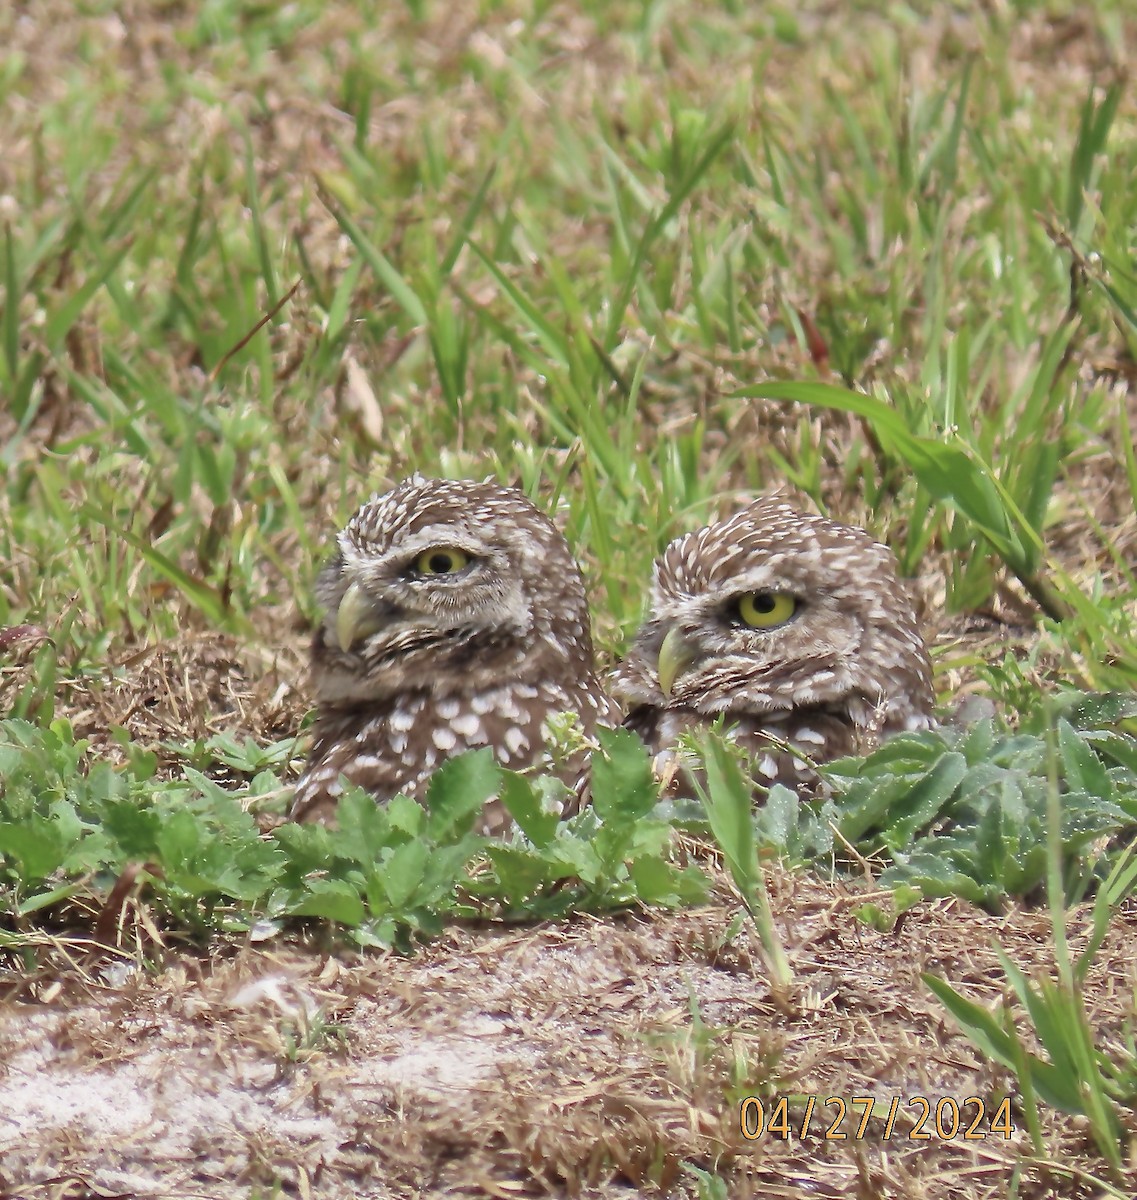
(1091, 143)
(201, 595)
(401, 291)
(954, 474)
(715, 144)
(727, 798)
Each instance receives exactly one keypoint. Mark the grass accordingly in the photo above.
(644, 259)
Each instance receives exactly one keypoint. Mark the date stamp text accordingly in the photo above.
(891, 1118)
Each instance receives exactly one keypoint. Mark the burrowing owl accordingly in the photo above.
(794, 627)
(455, 618)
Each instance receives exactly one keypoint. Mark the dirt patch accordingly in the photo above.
(595, 1058)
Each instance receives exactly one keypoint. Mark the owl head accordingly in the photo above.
(445, 586)
(773, 610)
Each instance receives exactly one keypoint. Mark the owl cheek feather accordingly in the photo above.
(338, 687)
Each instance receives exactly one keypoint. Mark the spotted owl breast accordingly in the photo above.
(395, 748)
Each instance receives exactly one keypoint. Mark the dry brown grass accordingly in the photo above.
(593, 1058)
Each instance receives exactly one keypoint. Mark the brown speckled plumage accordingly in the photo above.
(444, 662)
(848, 667)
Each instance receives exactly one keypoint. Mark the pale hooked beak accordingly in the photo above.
(356, 618)
(676, 654)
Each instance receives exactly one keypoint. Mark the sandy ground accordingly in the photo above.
(596, 1058)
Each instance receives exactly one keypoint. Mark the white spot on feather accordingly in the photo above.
(468, 726)
(403, 720)
(515, 740)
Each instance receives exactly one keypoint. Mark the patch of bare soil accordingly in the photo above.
(593, 1059)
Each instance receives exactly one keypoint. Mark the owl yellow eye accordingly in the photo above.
(442, 560)
(765, 609)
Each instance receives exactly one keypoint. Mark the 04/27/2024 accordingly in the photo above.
(840, 1118)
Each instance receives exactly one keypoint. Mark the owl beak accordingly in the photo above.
(356, 618)
(676, 654)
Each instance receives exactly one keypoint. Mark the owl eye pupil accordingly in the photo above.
(441, 560)
(765, 610)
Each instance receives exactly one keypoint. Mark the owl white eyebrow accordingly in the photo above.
(761, 579)
(438, 537)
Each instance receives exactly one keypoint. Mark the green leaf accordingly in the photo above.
(458, 792)
(60, 322)
(44, 900)
(660, 882)
(38, 846)
(1122, 749)
(445, 869)
(936, 876)
(522, 797)
(1052, 1084)
(975, 1021)
(332, 899)
(623, 786)
(363, 828)
(519, 873)
(405, 817)
(552, 339)
(728, 802)
(134, 828)
(866, 805)
(178, 839)
(992, 849)
(925, 801)
(776, 823)
(1083, 769)
(402, 873)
